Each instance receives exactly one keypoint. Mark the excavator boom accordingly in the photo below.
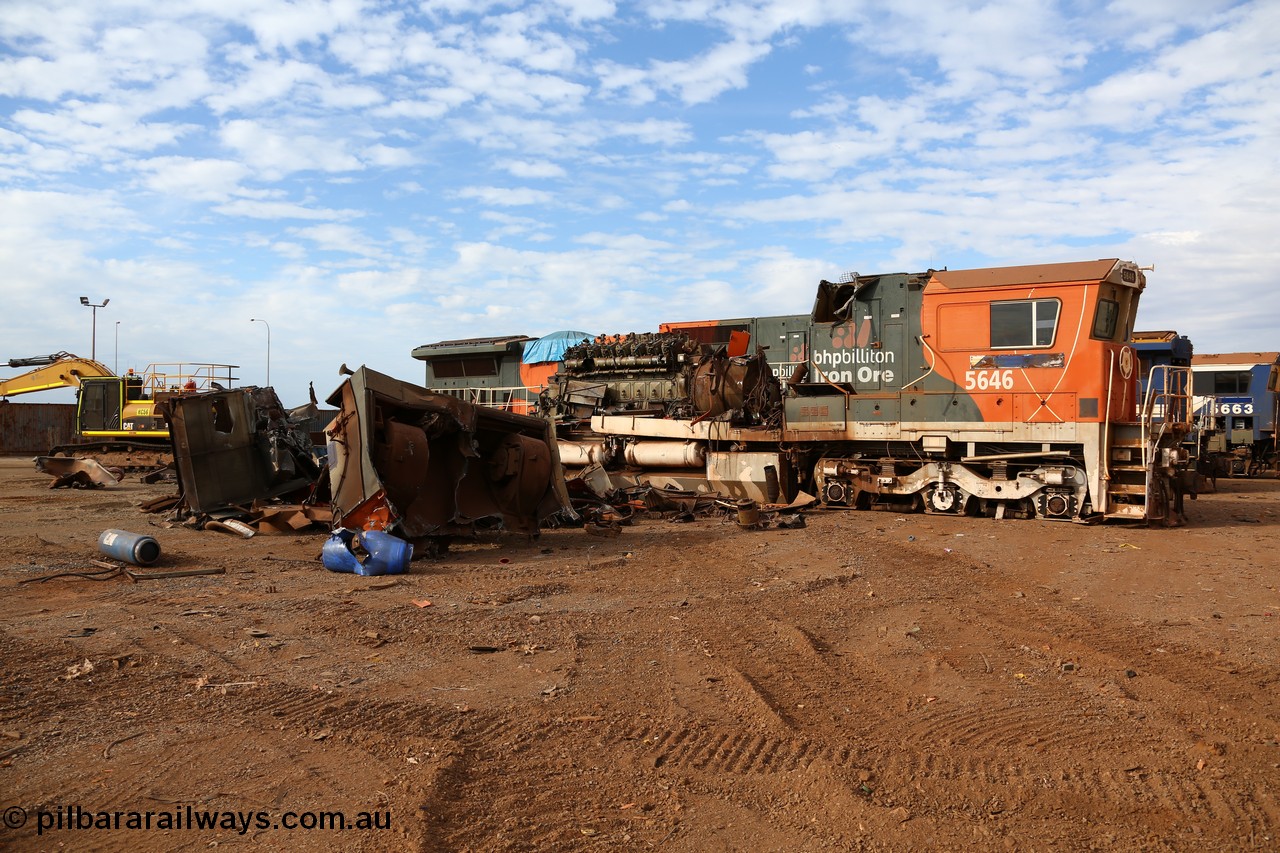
(59, 370)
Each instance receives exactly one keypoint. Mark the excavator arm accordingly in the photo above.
(59, 370)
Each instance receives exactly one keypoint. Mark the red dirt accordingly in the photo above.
(874, 681)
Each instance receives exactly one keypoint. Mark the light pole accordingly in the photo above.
(116, 368)
(268, 325)
(93, 345)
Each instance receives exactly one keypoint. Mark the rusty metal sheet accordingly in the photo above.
(234, 447)
(80, 473)
(35, 427)
(421, 465)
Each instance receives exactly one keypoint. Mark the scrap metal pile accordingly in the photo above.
(241, 461)
(406, 469)
(428, 467)
(605, 508)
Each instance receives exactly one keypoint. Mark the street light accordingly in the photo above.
(116, 369)
(93, 346)
(268, 325)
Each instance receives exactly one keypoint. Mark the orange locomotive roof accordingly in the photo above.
(1030, 274)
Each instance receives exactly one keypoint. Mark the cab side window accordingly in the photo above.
(1025, 323)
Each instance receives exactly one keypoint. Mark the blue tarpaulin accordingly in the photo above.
(551, 347)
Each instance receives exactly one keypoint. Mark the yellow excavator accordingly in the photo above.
(117, 417)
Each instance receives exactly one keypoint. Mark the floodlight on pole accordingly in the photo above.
(93, 344)
(268, 325)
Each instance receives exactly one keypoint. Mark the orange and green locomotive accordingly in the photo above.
(998, 391)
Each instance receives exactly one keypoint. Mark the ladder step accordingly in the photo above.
(1127, 488)
(1127, 511)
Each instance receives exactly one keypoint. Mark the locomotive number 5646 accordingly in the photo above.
(988, 380)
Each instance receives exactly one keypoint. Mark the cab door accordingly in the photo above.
(100, 405)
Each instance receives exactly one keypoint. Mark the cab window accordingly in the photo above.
(1104, 321)
(1025, 323)
(1221, 383)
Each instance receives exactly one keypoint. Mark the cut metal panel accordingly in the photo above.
(740, 476)
(422, 464)
(234, 447)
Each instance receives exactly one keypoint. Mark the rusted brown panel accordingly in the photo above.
(234, 447)
(36, 427)
(421, 464)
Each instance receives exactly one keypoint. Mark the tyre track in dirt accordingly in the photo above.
(1054, 726)
(998, 749)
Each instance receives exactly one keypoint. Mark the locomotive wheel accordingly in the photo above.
(943, 499)
(1056, 505)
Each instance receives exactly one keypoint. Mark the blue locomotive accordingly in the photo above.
(1236, 408)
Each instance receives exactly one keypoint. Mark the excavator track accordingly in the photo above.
(129, 456)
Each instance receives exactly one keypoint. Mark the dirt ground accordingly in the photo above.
(873, 681)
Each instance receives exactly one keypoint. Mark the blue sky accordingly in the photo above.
(371, 176)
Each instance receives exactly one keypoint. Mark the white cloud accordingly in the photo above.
(506, 196)
(103, 131)
(277, 154)
(693, 81)
(578, 11)
(286, 24)
(269, 81)
(515, 38)
(192, 179)
(380, 285)
(532, 169)
(332, 237)
(280, 210)
(386, 155)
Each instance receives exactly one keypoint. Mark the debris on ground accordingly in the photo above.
(71, 473)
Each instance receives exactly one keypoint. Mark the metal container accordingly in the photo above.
(136, 548)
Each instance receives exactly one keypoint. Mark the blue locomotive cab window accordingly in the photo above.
(1273, 381)
(1231, 383)
(1104, 322)
(1026, 323)
(1221, 382)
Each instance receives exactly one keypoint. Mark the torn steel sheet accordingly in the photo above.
(76, 473)
(234, 447)
(419, 464)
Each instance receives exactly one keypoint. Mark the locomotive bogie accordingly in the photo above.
(1055, 491)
